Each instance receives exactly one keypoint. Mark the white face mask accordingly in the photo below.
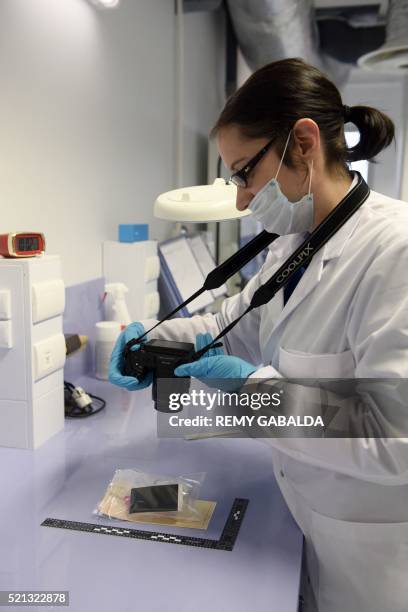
(276, 213)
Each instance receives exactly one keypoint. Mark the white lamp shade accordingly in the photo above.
(200, 204)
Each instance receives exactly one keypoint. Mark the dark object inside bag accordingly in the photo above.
(157, 498)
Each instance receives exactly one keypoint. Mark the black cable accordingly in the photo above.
(73, 411)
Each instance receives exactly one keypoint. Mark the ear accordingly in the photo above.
(306, 136)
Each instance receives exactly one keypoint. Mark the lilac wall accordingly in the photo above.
(83, 309)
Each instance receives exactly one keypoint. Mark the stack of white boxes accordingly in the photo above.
(137, 265)
(32, 350)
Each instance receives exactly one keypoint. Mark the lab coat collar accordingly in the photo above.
(336, 245)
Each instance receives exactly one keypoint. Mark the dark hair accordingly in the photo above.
(270, 102)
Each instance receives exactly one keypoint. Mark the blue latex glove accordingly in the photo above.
(134, 330)
(202, 340)
(216, 365)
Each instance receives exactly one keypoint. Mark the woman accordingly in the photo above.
(282, 136)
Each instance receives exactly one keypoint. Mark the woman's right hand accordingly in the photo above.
(131, 383)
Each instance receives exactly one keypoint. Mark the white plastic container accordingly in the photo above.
(107, 333)
(136, 265)
(32, 350)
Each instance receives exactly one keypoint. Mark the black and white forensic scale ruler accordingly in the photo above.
(226, 542)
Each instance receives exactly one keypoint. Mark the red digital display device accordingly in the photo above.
(22, 244)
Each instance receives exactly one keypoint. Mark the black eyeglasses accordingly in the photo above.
(240, 178)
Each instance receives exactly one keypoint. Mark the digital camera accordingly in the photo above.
(160, 357)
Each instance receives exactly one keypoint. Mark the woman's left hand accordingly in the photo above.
(216, 365)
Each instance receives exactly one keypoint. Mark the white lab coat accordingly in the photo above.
(347, 318)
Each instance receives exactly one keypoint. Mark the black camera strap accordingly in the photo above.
(220, 274)
(303, 254)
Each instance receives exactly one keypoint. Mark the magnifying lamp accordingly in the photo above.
(200, 204)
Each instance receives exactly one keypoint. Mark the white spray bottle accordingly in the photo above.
(115, 304)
